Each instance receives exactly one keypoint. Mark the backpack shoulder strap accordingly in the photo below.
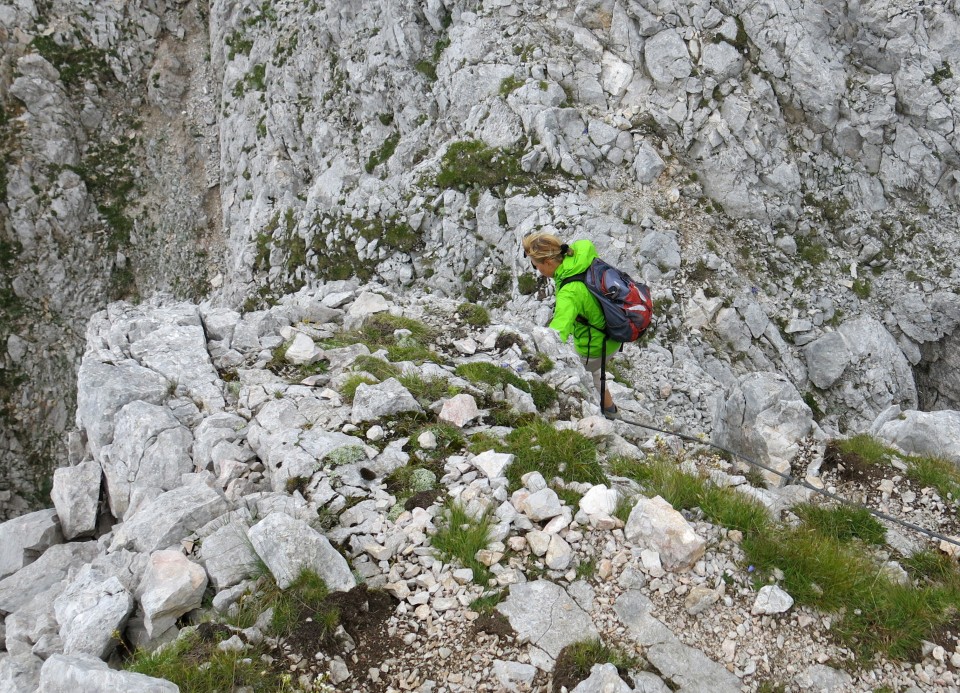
(582, 277)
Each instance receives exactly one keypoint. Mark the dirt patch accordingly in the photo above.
(494, 623)
(851, 467)
(424, 499)
(364, 615)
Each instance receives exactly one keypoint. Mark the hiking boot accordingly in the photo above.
(611, 412)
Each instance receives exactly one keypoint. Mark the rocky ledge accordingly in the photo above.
(217, 452)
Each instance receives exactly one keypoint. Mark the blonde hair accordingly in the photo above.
(543, 246)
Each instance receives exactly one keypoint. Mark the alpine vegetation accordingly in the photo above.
(242, 517)
(287, 399)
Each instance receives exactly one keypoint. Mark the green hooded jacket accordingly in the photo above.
(575, 299)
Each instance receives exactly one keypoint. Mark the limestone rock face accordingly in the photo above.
(150, 451)
(863, 369)
(765, 419)
(103, 389)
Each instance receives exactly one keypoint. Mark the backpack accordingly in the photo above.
(626, 304)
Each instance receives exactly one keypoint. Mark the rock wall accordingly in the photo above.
(105, 194)
(797, 162)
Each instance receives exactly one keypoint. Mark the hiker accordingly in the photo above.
(558, 261)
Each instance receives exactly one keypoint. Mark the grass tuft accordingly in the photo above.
(842, 523)
(427, 390)
(458, 538)
(378, 368)
(575, 661)
(938, 473)
(350, 385)
(822, 565)
(867, 447)
(539, 447)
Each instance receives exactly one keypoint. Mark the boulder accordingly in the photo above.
(459, 410)
(33, 627)
(372, 402)
(90, 611)
(172, 585)
(23, 539)
(49, 569)
(935, 433)
(179, 353)
(653, 522)
(863, 369)
(544, 615)
(150, 450)
(75, 673)
(228, 556)
(771, 600)
(105, 388)
(288, 546)
(170, 517)
(76, 497)
(19, 673)
(603, 679)
(689, 669)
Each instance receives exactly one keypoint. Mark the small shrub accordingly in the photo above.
(540, 363)
(473, 314)
(811, 252)
(861, 287)
(811, 401)
(408, 480)
(509, 85)
(526, 284)
(383, 154)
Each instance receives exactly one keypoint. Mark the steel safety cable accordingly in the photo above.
(801, 482)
